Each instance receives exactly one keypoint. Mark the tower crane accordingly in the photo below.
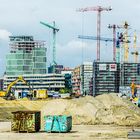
(106, 40)
(99, 9)
(95, 38)
(123, 39)
(126, 48)
(54, 41)
(135, 53)
(114, 27)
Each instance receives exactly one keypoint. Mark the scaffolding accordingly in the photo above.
(106, 77)
(26, 56)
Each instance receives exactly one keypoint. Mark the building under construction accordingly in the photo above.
(108, 77)
(105, 77)
(27, 56)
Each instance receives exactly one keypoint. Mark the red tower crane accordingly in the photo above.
(99, 9)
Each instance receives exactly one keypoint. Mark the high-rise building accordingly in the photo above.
(81, 77)
(76, 80)
(27, 56)
(67, 72)
(106, 77)
(86, 71)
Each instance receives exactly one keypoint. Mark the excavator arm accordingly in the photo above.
(20, 78)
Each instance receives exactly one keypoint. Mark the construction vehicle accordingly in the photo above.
(134, 97)
(8, 94)
(134, 89)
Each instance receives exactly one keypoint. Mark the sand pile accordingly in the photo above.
(6, 107)
(103, 109)
(2, 100)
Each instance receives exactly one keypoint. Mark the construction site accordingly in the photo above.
(95, 100)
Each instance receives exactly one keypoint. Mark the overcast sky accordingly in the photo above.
(22, 17)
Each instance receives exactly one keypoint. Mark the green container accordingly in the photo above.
(26, 121)
(58, 123)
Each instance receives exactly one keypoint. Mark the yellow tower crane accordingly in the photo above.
(135, 53)
(126, 48)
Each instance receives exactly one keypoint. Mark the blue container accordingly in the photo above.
(58, 123)
(24, 94)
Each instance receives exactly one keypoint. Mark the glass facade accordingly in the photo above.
(25, 58)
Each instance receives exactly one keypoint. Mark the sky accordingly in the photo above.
(22, 17)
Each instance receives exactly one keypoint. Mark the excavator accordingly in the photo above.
(135, 99)
(7, 94)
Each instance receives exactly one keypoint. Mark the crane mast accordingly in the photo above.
(135, 53)
(114, 27)
(126, 49)
(99, 9)
(53, 27)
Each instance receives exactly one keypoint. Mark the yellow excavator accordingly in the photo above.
(7, 94)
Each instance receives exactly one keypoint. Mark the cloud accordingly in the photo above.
(75, 52)
(4, 34)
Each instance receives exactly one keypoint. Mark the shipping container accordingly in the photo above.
(26, 121)
(65, 95)
(60, 123)
(40, 94)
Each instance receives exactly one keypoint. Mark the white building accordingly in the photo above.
(86, 72)
(37, 81)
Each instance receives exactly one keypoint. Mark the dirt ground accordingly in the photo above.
(104, 109)
(79, 132)
(100, 118)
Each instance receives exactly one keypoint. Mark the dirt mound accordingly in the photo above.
(103, 109)
(2, 100)
(6, 107)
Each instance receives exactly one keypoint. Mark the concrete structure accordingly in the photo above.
(129, 72)
(76, 80)
(86, 72)
(110, 76)
(27, 56)
(68, 78)
(58, 68)
(37, 81)
(1, 83)
(105, 77)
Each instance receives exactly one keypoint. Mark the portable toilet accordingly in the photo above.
(18, 94)
(24, 94)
